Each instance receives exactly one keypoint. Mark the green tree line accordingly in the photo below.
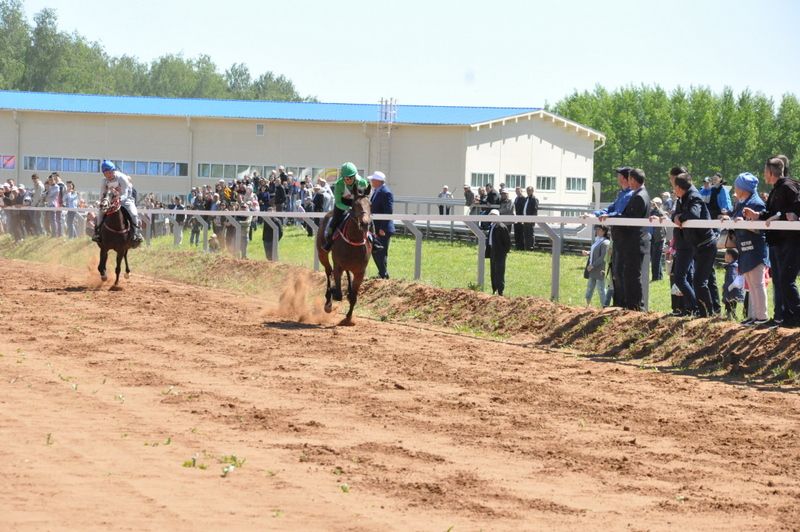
(652, 129)
(39, 57)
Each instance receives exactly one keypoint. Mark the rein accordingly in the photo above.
(114, 209)
(351, 220)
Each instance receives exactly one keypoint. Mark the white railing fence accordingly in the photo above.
(552, 226)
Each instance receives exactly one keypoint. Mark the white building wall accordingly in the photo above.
(535, 147)
(8, 143)
(424, 158)
(292, 144)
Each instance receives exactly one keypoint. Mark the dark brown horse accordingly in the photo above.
(351, 251)
(115, 233)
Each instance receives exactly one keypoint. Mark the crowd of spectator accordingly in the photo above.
(753, 259)
(54, 192)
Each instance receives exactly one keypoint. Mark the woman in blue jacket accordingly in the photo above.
(752, 247)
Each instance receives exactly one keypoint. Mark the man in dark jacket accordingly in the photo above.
(382, 202)
(615, 209)
(498, 246)
(699, 245)
(783, 203)
(519, 228)
(529, 208)
(634, 242)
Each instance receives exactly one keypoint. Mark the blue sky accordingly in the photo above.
(495, 53)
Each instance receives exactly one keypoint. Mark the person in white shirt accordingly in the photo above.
(115, 180)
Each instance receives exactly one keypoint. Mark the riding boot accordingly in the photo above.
(96, 235)
(327, 241)
(375, 241)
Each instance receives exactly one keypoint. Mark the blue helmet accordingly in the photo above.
(107, 166)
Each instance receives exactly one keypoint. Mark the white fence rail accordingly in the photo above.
(550, 224)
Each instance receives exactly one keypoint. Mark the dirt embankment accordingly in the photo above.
(709, 346)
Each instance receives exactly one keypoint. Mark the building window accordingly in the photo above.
(515, 180)
(168, 169)
(259, 130)
(81, 165)
(141, 168)
(68, 165)
(94, 166)
(8, 162)
(217, 171)
(203, 170)
(183, 169)
(546, 183)
(480, 179)
(55, 164)
(129, 167)
(154, 168)
(576, 184)
(230, 172)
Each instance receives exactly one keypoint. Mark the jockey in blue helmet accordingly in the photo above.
(115, 180)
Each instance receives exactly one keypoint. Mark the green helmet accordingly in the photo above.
(348, 170)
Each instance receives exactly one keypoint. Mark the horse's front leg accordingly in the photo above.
(337, 279)
(328, 303)
(127, 268)
(101, 266)
(352, 295)
(117, 270)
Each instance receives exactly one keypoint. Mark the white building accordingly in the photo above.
(169, 145)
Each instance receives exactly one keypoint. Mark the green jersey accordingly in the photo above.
(341, 191)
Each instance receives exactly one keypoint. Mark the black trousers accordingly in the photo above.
(527, 232)
(519, 236)
(616, 273)
(713, 289)
(381, 256)
(656, 252)
(497, 268)
(632, 260)
(789, 266)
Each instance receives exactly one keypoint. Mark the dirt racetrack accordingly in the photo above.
(120, 410)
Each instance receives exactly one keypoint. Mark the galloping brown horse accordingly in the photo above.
(115, 233)
(351, 251)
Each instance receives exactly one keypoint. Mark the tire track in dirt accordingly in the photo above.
(426, 429)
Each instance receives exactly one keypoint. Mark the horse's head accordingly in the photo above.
(362, 212)
(109, 203)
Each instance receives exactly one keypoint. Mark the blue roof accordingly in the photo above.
(266, 110)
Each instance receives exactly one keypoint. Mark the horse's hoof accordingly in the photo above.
(104, 278)
(347, 322)
(116, 288)
(328, 307)
(127, 275)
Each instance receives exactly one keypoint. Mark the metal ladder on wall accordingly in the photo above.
(386, 118)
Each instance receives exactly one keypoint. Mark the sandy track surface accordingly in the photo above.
(105, 395)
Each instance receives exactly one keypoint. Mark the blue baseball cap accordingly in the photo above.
(107, 166)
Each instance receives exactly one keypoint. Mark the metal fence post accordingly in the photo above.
(148, 234)
(646, 281)
(205, 231)
(275, 236)
(314, 228)
(481, 236)
(417, 248)
(237, 229)
(555, 274)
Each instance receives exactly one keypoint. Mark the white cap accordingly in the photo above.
(378, 176)
(494, 212)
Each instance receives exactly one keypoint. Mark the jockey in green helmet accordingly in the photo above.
(343, 192)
